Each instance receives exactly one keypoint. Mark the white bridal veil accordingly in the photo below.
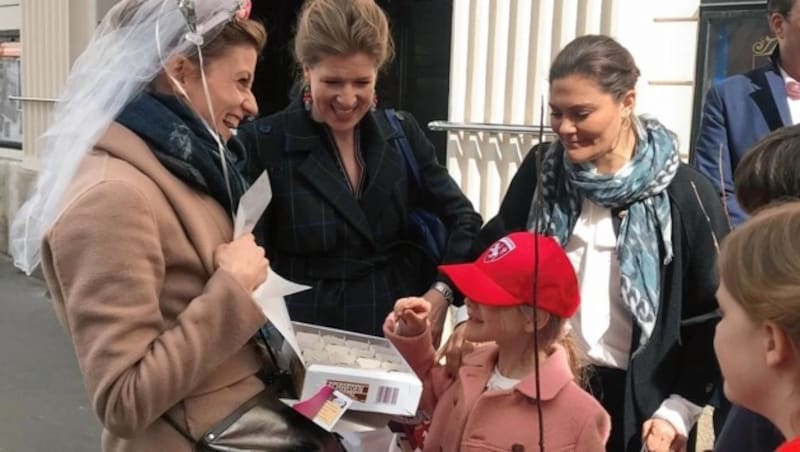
(126, 52)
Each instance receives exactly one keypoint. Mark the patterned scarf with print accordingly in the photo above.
(185, 147)
(640, 188)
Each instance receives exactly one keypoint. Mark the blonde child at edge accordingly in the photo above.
(757, 342)
(492, 403)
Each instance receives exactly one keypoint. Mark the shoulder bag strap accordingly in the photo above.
(403, 144)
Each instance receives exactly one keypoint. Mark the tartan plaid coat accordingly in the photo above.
(355, 251)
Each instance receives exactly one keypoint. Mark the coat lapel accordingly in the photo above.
(475, 372)
(770, 96)
(384, 166)
(206, 229)
(322, 172)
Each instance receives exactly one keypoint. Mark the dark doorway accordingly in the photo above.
(417, 80)
(733, 37)
(275, 70)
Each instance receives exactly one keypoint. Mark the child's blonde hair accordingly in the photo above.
(555, 332)
(760, 266)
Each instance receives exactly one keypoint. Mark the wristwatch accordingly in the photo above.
(445, 290)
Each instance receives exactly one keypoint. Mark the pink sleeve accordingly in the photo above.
(594, 435)
(419, 353)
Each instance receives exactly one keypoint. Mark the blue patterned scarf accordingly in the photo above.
(640, 188)
(184, 146)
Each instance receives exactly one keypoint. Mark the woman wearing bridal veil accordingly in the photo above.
(131, 220)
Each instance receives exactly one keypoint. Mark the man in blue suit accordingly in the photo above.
(743, 108)
(738, 112)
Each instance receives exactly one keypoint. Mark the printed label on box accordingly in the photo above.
(356, 391)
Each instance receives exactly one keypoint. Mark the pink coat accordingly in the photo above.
(467, 418)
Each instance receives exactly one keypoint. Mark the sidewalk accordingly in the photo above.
(43, 404)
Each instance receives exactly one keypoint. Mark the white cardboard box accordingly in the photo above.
(395, 392)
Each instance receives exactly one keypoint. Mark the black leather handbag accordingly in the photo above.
(263, 423)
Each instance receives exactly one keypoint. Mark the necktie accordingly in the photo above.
(793, 90)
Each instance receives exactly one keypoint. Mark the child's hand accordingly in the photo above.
(411, 316)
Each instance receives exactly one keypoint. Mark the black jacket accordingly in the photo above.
(679, 357)
(357, 254)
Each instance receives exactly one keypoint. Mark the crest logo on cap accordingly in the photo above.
(499, 249)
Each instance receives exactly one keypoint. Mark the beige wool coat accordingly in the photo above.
(156, 328)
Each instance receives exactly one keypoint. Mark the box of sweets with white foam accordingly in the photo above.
(368, 369)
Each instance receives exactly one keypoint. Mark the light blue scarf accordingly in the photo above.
(640, 188)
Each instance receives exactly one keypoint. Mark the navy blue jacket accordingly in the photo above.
(737, 113)
(356, 253)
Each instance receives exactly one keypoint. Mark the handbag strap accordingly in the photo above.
(178, 428)
(403, 144)
(273, 381)
(222, 425)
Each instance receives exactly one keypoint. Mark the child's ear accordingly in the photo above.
(777, 344)
(542, 316)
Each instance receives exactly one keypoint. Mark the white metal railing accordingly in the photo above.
(448, 126)
(500, 55)
(32, 99)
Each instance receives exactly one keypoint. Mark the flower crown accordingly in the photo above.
(243, 9)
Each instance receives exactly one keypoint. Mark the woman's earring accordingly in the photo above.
(374, 102)
(307, 100)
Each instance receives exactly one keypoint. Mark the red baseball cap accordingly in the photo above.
(503, 275)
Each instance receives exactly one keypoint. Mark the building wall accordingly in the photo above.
(52, 33)
(10, 14)
(664, 44)
(501, 52)
(10, 19)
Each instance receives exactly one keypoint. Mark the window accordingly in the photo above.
(734, 37)
(10, 87)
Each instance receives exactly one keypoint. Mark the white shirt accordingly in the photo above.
(794, 105)
(499, 381)
(592, 251)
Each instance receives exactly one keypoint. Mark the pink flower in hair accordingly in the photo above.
(243, 12)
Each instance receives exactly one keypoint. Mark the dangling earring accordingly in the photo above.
(307, 100)
(374, 103)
